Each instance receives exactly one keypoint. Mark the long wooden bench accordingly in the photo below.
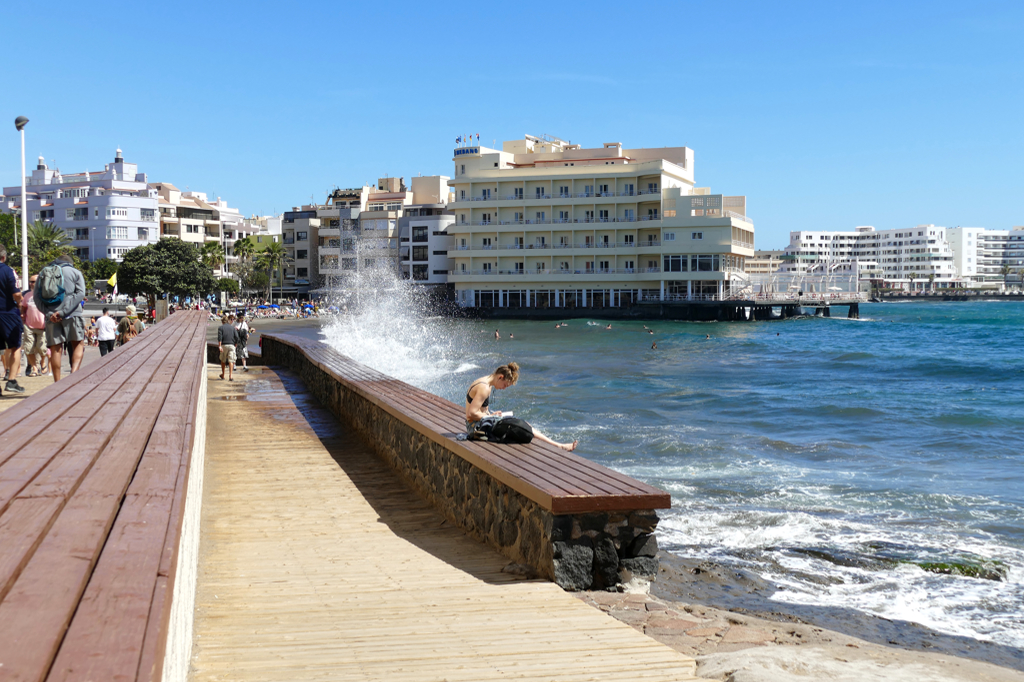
(96, 529)
(567, 511)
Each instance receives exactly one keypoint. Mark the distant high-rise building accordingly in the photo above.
(988, 257)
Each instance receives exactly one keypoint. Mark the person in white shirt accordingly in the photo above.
(106, 332)
(244, 331)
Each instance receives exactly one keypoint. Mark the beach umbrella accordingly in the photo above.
(262, 306)
(274, 305)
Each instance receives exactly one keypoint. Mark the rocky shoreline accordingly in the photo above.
(726, 620)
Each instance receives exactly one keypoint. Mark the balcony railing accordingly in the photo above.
(559, 271)
(555, 221)
(561, 195)
(584, 245)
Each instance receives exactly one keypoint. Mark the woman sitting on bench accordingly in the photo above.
(478, 398)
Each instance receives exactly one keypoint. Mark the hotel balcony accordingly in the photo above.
(589, 246)
(651, 195)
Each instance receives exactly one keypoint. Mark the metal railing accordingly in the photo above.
(561, 195)
(559, 271)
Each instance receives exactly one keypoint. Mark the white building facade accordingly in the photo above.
(988, 258)
(909, 258)
(105, 214)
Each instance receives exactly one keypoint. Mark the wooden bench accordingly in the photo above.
(93, 510)
(567, 509)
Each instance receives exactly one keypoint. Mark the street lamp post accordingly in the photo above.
(20, 124)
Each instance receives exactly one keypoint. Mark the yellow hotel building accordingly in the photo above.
(543, 223)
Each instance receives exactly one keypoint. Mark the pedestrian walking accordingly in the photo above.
(11, 326)
(106, 332)
(242, 333)
(33, 343)
(59, 291)
(130, 326)
(226, 340)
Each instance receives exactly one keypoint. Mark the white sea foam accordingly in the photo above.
(383, 326)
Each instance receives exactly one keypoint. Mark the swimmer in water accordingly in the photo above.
(654, 346)
(609, 326)
(707, 336)
(496, 334)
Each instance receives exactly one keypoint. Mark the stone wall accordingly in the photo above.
(577, 551)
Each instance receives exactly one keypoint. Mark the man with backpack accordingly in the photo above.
(130, 326)
(59, 292)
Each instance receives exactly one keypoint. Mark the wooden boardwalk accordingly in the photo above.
(317, 564)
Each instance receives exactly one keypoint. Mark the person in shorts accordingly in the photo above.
(10, 324)
(33, 343)
(64, 321)
(227, 337)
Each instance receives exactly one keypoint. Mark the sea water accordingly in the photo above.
(837, 458)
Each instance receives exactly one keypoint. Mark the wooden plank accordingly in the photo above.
(35, 612)
(121, 587)
(64, 471)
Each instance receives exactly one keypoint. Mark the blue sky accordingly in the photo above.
(825, 115)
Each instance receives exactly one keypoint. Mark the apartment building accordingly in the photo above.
(763, 262)
(192, 217)
(424, 241)
(105, 213)
(907, 258)
(988, 258)
(360, 229)
(548, 224)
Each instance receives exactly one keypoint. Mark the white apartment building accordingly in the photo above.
(983, 256)
(424, 244)
(764, 262)
(360, 229)
(547, 224)
(908, 258)
(192, 217)
(105, 213)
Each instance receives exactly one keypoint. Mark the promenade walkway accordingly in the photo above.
(317, 564)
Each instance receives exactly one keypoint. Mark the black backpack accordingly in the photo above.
(511, 431)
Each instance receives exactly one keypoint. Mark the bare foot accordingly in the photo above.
(568, 446)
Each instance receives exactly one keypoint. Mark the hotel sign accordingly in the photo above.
(467, 150)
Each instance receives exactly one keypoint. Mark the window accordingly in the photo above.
(627, 240)
(81, 233)
(348, 263)
(541, 266)
(77, 214)
(303, 272)
(117, 233)
(485, 219)
(564, 266)
(588, 190)
(519, 268)
(627, 190)
(463, 172)
(603, 265)
(369, 263)
(517, 217)
(301, 236)
(440, 253)
(144, 234)
(419, 272)
(419, 253)
(629, 215)
(348, 244)
(462, 194)
(82, 253)
(629, 265)
(541, 216)
(652, 187)
(696, 235)
(485, 242)
(487, 268)
(517, 192)
(588, 216)
(419, 234)
(652, 214)
(302, 254)
(563, 191)
(117, 213)
(675, 263)
(462, 267)
(563, 216)
(670, 236)
(603, 215)
(539, 192)
(485, 193)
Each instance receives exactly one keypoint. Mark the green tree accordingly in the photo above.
(228, 285)
(931, 281)
(8, 224)
(46, 242)
(274, 257)
(103, 268)
(170, 266)
(1005, 272)
(212, 255)
(244, 249)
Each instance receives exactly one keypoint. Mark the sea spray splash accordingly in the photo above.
(385, 324)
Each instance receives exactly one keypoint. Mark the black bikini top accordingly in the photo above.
(469, 398)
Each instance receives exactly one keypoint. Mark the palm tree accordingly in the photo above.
(244, 249)
(931, 282)
(274, 257)
(46, 242)
(212, 255)
(1005, 272)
